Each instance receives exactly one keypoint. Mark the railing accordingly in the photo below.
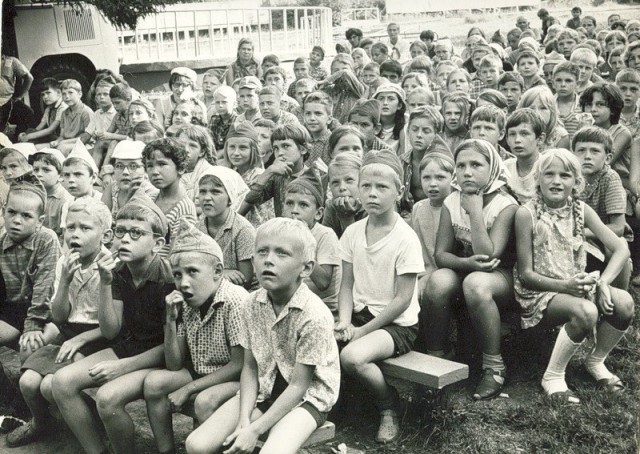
(432, 6)
(353, 17)
(205, 34)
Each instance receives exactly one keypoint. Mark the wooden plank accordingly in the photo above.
(10, 361)
(425, 369)
(325, 432)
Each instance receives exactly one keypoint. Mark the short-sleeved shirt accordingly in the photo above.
(219, 127)
(75, 120)
(11, 69)
(606, 195)
(376, 267)
(211, 337)
(302, 333)
(120, 123)
(28, 269)
(83, 292)
(425, 220)
(236, 238)
(632, 123)
(524, 188)
(56, 201)
(319, 148)
(101, 120)
(184, 209)
(332, 219)
(54, 112)
(327, 253)
(143, 305)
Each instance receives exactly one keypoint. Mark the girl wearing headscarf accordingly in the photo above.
(360, 60)
(245, 65)
(474, 260)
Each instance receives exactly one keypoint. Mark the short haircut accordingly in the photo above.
(270, 90)
(47, 158)
(630, 48)
(71, 84)
(491, 61)
(445, 63)
(576, 9)
(380, 47)
(424, 91)
(372, 66)
(489, 113)
(568, 33)
(300, 61)
(353, 32)
(276, 70)
(141, 213)
(273, 58)
(296, 231)
(494, 97)
(264, 123)
(148, 127)
(419, 44)
(50, 82)
(391, 66)
(342, 131)
(121, 90)
(319, 97)
(514, 32)
(441, 162)
(305, 82)
(528, 54)
(593, 134)
(295, 132)
(319, 50)
(615, 34)
(592, 44)
(527, 117)
(202, 136)
(567, 67)
(42, 204)
(171, 148)
(74, 160)
(428, 35)
(584, 54)
(616, 52)
(365, 42)
(369, 108)
(421, 62)
(591, 18)
(173, 78)
(95, 209)
(347, 160)
(628, 75)
(612, 96)
(430, 113)
(511, 76)
(446, 43)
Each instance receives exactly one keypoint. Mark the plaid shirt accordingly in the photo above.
(319, 148)
(210, 338)
(28, 269)
(220, 127)
(476, 88)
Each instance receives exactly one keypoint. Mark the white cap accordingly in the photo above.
(128, 149)
(53, 152)
(80, 151)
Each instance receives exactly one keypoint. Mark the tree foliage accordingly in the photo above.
(125, 13)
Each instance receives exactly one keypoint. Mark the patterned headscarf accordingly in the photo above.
(498, 176)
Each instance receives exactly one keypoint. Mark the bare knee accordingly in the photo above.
(205, 404)
(585, 316)
(441, 288)
(624, 308)
(108, 402)
(198, 444)
(155, 385)
(30, 383)
(46, 387)
(351, 360)
(476, 291)
(64, 384)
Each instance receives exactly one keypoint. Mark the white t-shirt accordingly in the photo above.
(327, 253)
(376, 268)
(524, 187)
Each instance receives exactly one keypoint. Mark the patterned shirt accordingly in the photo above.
(275, 188)
(184, 209)
(120, 123)
(477, 86)
(606, 195)
(302, 333)
(56, 201)
(101, 121)
(219, 127)
(210, 338)
(236, 238)
(28, 269)
(286, 118)
(319, 148)
(632, 123)
(319, 72)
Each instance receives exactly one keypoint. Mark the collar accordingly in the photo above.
(58, 191)
(110, 111)
(153, 273)
(76, 109)
(27, 243)
(297, 300)
(228, 223)
(323, 138)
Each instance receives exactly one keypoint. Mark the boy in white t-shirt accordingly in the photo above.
(378, 299)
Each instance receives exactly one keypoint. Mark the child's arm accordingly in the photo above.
(111, 134)
(243, 275)
(106, 371)
(616, 225)
(249, 387)
(533, 280)
(60, 306)
(634, 169)
(41, 131)
(345, 301)
(621, 143)
(287, 401)
(405, 286)
(110, 310)
(485, 243)
(71, 346)
(349, 80)
(262, 189)
(321, 276)
(174, 346)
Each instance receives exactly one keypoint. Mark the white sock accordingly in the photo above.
(607, 337)
(494, 362)
(563, 350)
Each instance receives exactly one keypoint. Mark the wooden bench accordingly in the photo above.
(424, 369)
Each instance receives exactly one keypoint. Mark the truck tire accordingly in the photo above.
(59, 71)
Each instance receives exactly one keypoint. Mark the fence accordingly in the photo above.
(434, 6)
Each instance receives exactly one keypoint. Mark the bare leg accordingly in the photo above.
(289, 434)
(442, 289)
(30, 382)
(209, 400)
(8, 334)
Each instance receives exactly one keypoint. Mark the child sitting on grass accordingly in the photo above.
(221, 189)
(550, 283)
(475, 263)
(74, 310)
(131, 301)
(378, 299)
(345, 206)
(305, 202)
(203, 310)
(289, 398)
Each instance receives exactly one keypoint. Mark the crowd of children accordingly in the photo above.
(364, 206)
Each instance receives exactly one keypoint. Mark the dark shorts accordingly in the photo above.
(194, 375)
(42, 360)
(403, 336)
(13, 314)
(126, 348)
(278, 388)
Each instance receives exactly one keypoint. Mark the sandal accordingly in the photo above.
(613, 385)
(490, 385)
(389, 429)
(24, 435)
(564, 397)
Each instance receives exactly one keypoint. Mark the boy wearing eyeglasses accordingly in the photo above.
(132, 295)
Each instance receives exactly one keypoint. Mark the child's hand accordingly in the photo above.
(99, 135)
(580, 284)
(174, 302)
(244, 441)
(177, 399)
(347, 205)
(22, 137)
(106, 263)
(136, 182)
(105, 371)
(234, 276)
(54, 143)
(603, 299)
(471, 203)
(70, 266)
(31, 341)
(481, 262)
(68, 349)
(282, 168)
(343, 331)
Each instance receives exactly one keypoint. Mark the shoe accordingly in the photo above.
(9, 423)
(389, 427)
(564, 397)
(24, 435)
(490, 385)
(613, 385)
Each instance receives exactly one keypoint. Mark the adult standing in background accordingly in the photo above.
(398, 48)
(245, 64)
(15, 81)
